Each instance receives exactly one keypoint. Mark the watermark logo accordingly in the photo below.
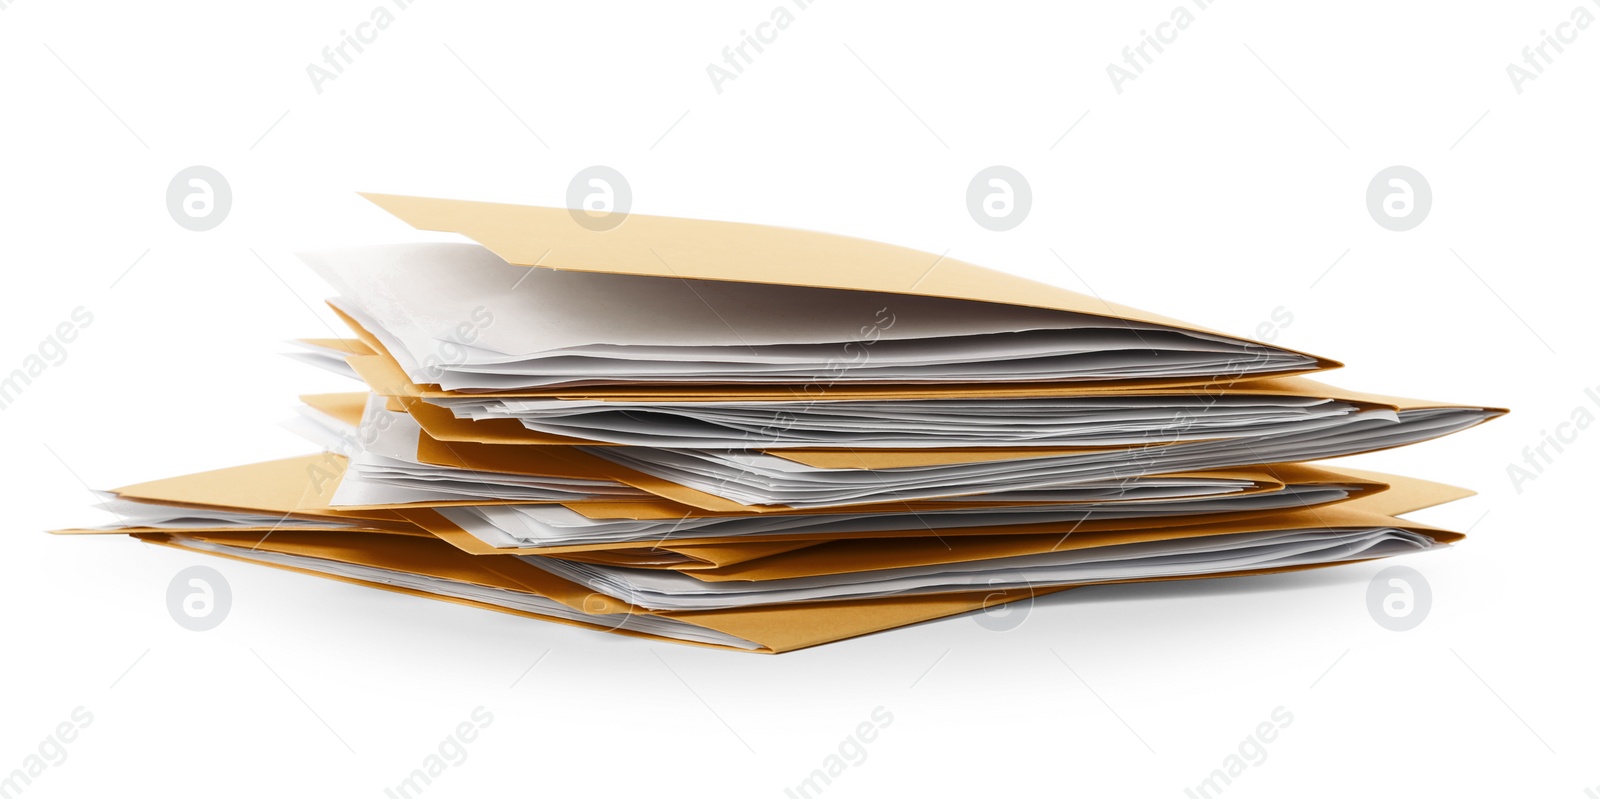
(198, 198)
(1535, 57)
(599, 198)
(1144, 458)
(999, 198)
(335, 57)
(52, 751)
(1399, 198)
(51, 352)
(199, 598)
(856, 354)
(1399, 598)
(735, 57)
(1003, 611)
(1252, 751)
(1280, 318)
(333, 462)
(449, 349)
(1138, 56)
(601, 610)
(1536, 457)
(852, 751)
(452, 751)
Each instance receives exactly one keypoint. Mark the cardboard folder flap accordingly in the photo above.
(249, 536)
(346, 407)
(443, 425)
(449, 532)
(467, 542)
(303, 484)
(710, 250)
(1306, 387)
(369, 342)
(545, 461)
(638, 559)
(875, 554)
(425, 556)
(687, 558)
(785, 628)
(718, 555)
(433, 558)
(775, 628)
(1407, 494)
(602, 623)
(383, 375)
(347, 346)
(237, 530)
(779, 628)
(1309, 474)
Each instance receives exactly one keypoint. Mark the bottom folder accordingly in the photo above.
(425, 566)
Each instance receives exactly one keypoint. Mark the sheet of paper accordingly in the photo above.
(554, 525)
(517, 600)
(753, 478)
(383, 467)
(1062, 421)
(459, 316)
(668, 590)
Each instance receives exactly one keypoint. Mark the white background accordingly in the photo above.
(1218, 186)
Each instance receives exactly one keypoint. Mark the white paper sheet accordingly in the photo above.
(754, 478)
(670, 590)
(459, 316)
(553, 525)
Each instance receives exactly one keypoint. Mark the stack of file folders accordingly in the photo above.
(764, 439)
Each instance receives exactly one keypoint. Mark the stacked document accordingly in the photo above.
(765, 439)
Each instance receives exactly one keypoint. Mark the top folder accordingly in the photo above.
(658, 301)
